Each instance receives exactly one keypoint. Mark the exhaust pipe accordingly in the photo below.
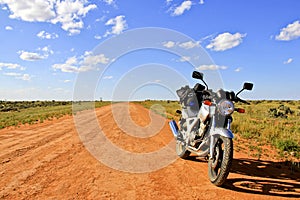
(174, 128)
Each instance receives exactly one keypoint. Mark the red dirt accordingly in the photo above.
(49, 161)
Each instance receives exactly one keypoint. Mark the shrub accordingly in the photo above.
(274, 112)
(286, 109)
(288, 145)
(282, 111)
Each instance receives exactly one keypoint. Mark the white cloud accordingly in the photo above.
(189, 45)
(225, 41)
(201, 2)
(185, 59)
(291, 32)
(238, 69)
(68, 13)
(90, 59)
(211, 67)
(97, 37)
(24, 77)
(46, 50)
(184, 45)
(169, 44)
(74, 31)
(12, 74)
(87, 62)
(118, 25)
(109, 2)
(102, 19)
(288, 61)
(68, 66)
(208, 37)
(11, 66)
(107, 77)
(34, 56)
(45, 35)
(184, 6)
(31, 56)
(31, 11)
(8, 28)
(168, 2)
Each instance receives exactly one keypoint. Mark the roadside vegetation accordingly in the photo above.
(274, 123)
(265, 123)
(165, 108)
(15, 113)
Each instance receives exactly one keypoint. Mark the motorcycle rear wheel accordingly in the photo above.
(181, 150)
(219, 165)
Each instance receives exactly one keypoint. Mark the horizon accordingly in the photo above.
(171, 100)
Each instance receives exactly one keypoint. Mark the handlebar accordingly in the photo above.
(208, 94)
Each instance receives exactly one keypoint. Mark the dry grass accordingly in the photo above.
(25, 112)
(257, 127)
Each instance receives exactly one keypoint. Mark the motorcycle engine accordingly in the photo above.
(193, 135)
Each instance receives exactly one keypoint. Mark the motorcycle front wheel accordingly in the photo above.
(219, 165)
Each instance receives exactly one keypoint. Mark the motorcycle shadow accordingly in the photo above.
(195, 158)
(265, 177)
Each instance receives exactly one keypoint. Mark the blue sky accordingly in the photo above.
(45, 45)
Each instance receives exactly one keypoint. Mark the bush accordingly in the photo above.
(274, 112)
(288, 145)
(285, 109)
(282, 111)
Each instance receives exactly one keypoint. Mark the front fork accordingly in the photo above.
(216, 132)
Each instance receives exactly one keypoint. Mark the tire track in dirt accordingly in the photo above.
(22, 137)
(48, 161)
(33, 155)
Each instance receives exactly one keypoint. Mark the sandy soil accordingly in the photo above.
(49, 161)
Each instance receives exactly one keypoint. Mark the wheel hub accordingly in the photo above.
(215, 162)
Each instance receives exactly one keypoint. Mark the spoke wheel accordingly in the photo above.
(219, 165)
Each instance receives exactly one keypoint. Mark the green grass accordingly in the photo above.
(164, 108)
(35, 112)
(257, 126)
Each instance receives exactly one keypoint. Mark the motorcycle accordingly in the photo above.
(204, 126)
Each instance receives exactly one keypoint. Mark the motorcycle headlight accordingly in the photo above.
(225, 107)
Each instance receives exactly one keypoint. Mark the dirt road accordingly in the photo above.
(49, 161)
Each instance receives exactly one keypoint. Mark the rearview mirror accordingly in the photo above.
(197, 75)
(248, 86)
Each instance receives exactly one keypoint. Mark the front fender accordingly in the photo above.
(222, 132)
(215, 134)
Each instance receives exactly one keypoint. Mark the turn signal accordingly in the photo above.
(240, 110)
(207, 102)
